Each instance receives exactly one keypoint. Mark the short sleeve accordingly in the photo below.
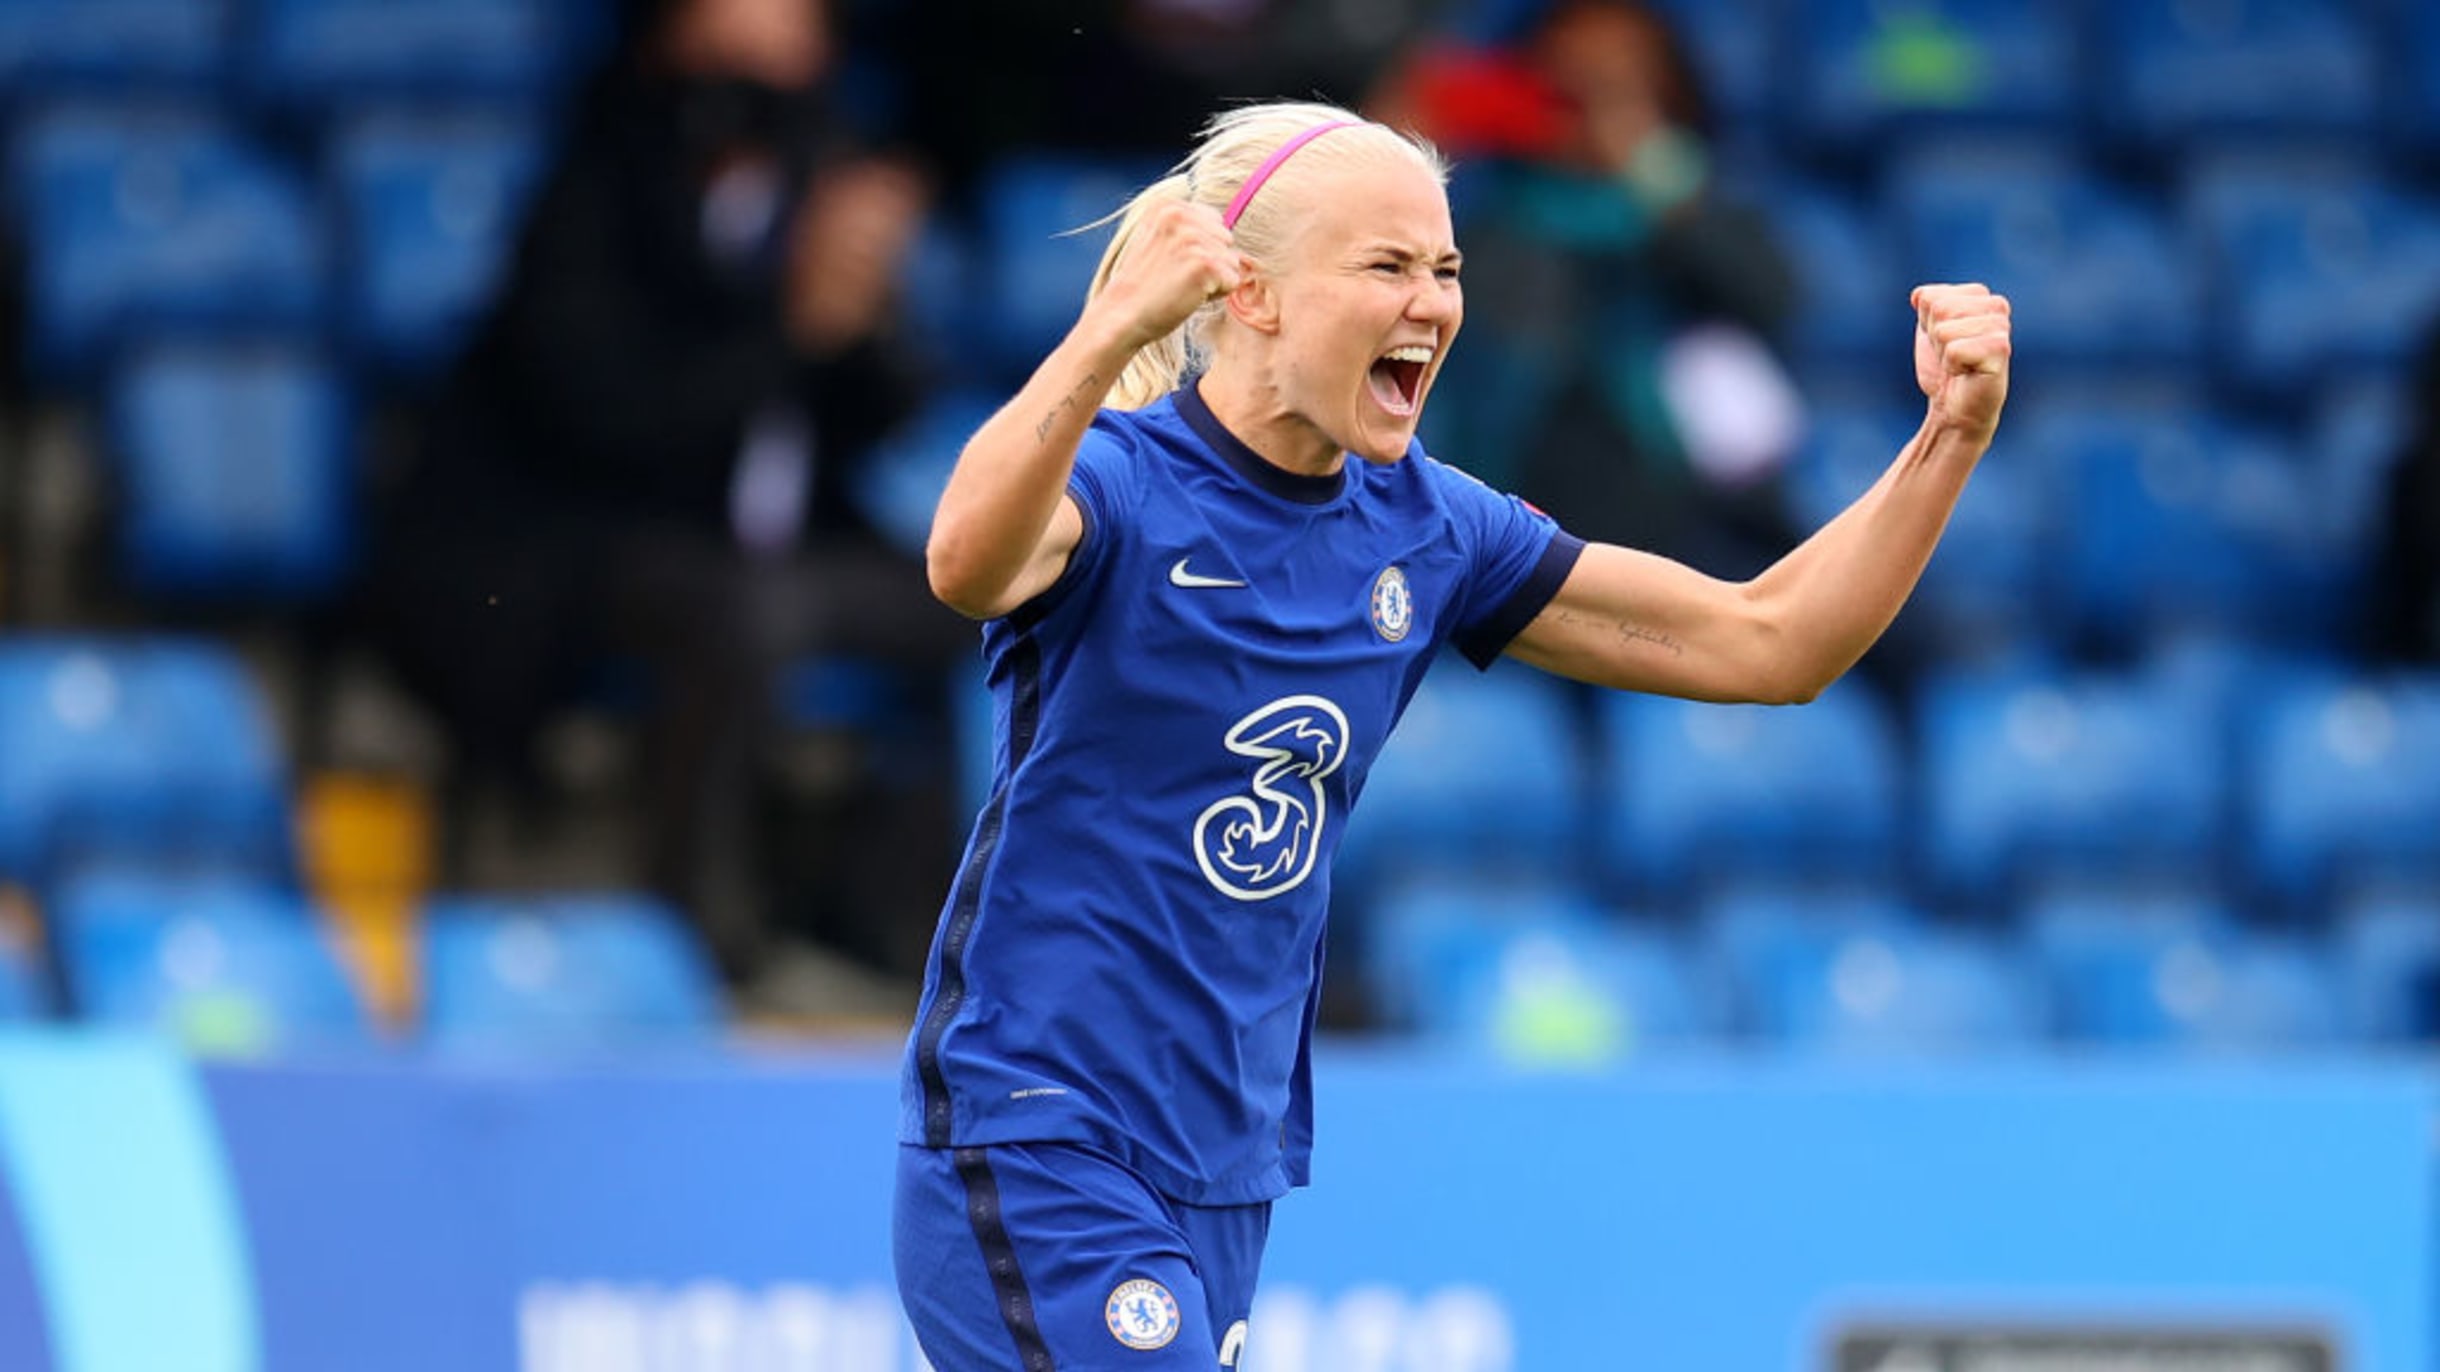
(1518, 559)
(1103, 484)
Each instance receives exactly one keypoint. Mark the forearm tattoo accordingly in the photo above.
(1042, 431)
(1629, 630)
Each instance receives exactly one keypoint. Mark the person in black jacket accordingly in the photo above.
(646, 453)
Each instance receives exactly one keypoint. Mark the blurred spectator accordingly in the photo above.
(2408, 577)
(1615, 368)
(646, 454)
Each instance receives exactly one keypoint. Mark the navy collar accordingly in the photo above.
(1279, 481)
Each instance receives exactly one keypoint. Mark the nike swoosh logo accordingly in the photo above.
(1179, 576)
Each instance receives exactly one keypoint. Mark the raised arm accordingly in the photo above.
(1005, 526)
(1639, 622)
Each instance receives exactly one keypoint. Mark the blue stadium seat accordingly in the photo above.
(1863, 68)
(2027, 783)
(2319, 267)
(1035, 267)
(135, 751)
(2342, 788)
(157, 221)
(236, 472)
(1866, 975)
(1986, 585)
(1703, 794)
(564, 973)
(1483, 774)
(222, 967)
(120, 45)
(2095, 275)
(1854, 313)
(2176, 71)
(316, 53)
(2137, 970)
(1534, 975)
(2388, 951)
(2174, 518)
(898, 484)
(2416, 79)
(432, 209)
(1735, 47)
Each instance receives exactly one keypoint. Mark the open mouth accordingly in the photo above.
(1396, 379)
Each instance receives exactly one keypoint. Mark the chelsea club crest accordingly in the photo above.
(1143, 1314)
(1393, 609)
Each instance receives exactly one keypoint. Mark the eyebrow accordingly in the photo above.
(1450, 258)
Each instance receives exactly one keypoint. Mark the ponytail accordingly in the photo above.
(1159, 366)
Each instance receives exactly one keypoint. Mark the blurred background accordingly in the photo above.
(464, 467)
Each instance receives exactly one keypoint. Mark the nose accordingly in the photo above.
(1432, 301)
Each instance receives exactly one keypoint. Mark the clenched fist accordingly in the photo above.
(1961, 355)
(1178, 257)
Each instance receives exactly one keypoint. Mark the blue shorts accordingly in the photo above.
(1057, 1257)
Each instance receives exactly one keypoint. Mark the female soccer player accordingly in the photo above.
(1202, 621)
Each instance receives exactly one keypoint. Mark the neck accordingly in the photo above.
(1248, 403)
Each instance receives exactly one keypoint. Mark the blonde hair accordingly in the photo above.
(1232, 146)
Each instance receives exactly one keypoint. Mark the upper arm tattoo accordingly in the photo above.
(1625, 629)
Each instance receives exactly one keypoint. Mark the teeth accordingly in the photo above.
(1411, 353)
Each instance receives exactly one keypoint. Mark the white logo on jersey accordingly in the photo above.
(1257, 845)
(1179, 576)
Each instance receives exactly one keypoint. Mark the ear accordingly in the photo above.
(1255, 301)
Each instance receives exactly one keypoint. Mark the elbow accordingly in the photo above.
(955, 580)
(1788, 670)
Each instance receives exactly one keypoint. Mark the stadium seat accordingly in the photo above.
(1735, 48)
(2134, 970)
(2177, 71)
(2342, 788)
(1853, 314)
(1037, 258)
(236, 472)
(564, 973)
(899, 482)
(318, 53)
(2388, 951)
(157, 221)
(1534, 975)
(2319, 267)
(135, 751)
(226, 968)
(432, 208)
(2095, 275)
(1866, 976)
(1862, 69)
(2028, 783)
(135, 46)
(1985, 589)
(2173, 518)
(1483, 775)
(1701, 795)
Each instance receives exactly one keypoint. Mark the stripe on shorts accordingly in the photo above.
(1007, 1278)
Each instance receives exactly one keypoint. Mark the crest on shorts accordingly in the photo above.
(1142, 1314)
(1393, 606)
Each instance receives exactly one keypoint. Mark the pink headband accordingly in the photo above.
(1245, 193)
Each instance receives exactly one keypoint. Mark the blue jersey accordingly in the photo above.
(1131, 953)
